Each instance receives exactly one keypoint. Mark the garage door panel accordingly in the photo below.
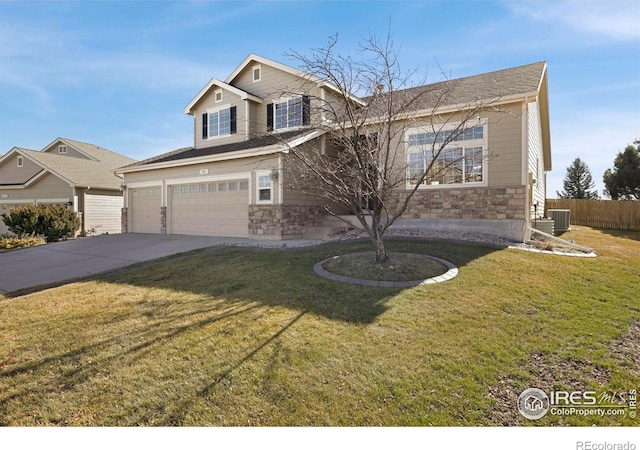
(145, 209)
(210, 209)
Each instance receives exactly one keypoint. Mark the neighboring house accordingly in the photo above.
(231, 182)
(68, 172)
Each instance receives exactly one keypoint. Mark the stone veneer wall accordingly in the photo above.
(123, 221)
(163, 220)
(466, 203)
(283, 221)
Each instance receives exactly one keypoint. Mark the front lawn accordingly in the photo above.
(241, 336)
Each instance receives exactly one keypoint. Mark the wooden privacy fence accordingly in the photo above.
(610, 214)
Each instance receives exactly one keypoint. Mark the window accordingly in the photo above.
(289, 113)
(257, 73)
(62, 149)
(233, 186)
(218, 95)
(222, 187)
(184, 189)
(202, 188)
(461, 161)
(176, 190)
(20, 161)
(221, 122)
(193, 188)
(212, 187)
(264, 187)
(244, 185)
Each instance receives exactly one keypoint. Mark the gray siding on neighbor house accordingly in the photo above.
(71, 152)
(10, 173)
(46, 187)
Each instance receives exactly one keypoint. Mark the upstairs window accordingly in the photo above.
(218, 95)
(289, 113)
(221, 122)
(62, 149)
(20, 161)
(257, 73)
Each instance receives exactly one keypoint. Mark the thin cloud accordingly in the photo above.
(611, 19)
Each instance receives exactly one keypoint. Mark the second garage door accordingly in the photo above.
(212, 209)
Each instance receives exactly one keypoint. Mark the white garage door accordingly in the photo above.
(144, 208)
(211, 209)
(102, 213)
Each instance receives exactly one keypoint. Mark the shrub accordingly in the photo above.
(54, 222)
(11, 242)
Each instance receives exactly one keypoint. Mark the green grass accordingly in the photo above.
(239, 336)
(399, 267)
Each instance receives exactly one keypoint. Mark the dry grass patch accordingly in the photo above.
(238, 336)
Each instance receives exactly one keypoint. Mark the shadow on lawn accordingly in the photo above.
(233, 288)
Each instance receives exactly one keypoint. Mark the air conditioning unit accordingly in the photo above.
(561, 219)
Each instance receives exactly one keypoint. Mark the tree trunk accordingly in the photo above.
(381, 253)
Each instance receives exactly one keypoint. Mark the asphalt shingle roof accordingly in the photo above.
(97, 172)
(190, 152)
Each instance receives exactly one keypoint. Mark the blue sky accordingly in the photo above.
(119, 73)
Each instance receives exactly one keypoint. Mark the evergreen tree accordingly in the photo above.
(623, 183)
(578, 182)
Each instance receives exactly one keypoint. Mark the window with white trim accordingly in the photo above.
(264, 187)
(219, 122)
(288, 113)
(20, 161)
(257, 73)
(461, 161)
(62, 149)
(217, 95)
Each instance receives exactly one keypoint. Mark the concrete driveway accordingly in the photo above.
(54, 263)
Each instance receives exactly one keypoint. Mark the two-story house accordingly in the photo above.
(231, 181)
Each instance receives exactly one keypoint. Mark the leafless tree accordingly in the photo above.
(363, 166)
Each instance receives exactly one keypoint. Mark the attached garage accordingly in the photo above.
(145, 209)
(102, 213)
(215, 208)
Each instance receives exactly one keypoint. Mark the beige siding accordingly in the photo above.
(10, 173)
(273, 85)
(208, 103)
(505, 147)
(535, 159)
(220, 169)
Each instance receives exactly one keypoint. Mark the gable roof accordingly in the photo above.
(95, 172)
(251, 59)
(244, 95)
(107, 157)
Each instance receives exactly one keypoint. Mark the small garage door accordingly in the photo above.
(210, 209)
(102, 213)
(144, 208)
